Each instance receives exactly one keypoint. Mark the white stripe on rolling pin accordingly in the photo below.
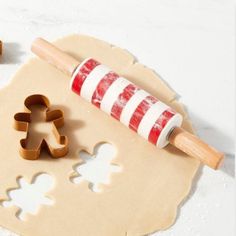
(131, 106)
(91, 82)
(112, 94)
(150, 118)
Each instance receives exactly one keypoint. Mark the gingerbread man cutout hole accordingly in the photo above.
(41, 126)
(96, 168)
(29, 198)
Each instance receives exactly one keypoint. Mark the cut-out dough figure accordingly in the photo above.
(96, 168)
(30, 196)
(41, 125)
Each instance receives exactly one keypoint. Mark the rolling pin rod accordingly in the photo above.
(178, 137)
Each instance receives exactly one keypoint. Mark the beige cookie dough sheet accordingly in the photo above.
(141, 199)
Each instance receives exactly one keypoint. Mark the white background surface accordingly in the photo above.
(190, 43)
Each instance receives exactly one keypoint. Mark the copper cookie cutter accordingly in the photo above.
(22, 121)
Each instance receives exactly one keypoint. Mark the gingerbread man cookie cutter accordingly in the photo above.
(22, 121)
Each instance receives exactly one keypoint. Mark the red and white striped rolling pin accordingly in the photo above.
(132, 106)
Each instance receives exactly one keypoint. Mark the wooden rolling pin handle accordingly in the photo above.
(194, 147)
(54, 56)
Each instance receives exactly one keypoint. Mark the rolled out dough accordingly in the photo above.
(141, 199)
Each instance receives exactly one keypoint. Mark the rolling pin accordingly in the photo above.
(137, 109)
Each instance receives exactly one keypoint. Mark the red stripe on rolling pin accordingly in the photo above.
(159, 125)
(122, 100)
(82, 74)
(140, 111)
(102, 87)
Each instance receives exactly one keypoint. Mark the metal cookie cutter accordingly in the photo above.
(22, 121)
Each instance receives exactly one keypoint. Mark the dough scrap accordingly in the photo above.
(143, 198)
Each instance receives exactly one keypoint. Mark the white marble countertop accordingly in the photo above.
(191, 44)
